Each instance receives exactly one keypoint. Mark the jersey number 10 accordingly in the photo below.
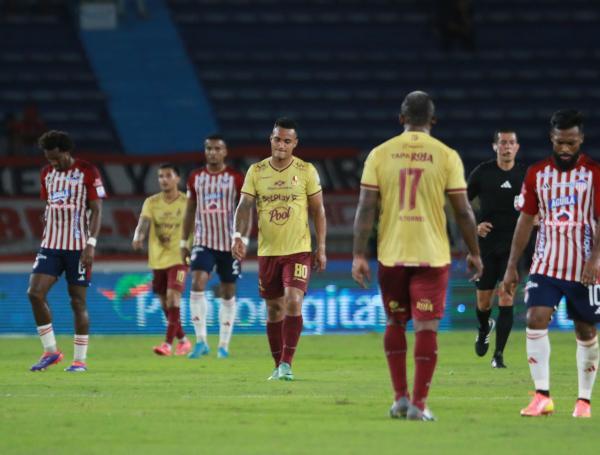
(414, 176)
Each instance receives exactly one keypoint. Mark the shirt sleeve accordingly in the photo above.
(248, 187)
(369, 175)
(313, 184)
(146, 209)
(473, 184)
(528, 201)
(191, 190)
(94, 185)
(456, 174)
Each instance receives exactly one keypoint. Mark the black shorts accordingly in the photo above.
(206, 259)
(494, 265)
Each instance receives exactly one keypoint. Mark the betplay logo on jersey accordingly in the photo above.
(99, 188)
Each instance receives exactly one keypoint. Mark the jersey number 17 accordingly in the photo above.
(409, 178)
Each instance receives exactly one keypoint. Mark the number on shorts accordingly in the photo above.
(180, 276)
(300, 271)
(594, 292)
(81, 269)
(415, 173)
(235, 265)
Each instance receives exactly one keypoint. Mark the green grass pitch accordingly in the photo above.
(131, 401)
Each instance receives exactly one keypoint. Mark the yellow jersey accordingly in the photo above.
(282, 205)
(166, 219)
(413, 172)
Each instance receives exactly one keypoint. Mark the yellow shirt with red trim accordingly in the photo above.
(413, 172)
(166, 219)
(282, 205)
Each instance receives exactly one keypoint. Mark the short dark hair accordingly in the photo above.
(215, 137)
(498, 132)
(53, 139)
(286, 123)
(169, 166)
(564, 119)
(417, 108)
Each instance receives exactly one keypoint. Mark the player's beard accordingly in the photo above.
(565, 165)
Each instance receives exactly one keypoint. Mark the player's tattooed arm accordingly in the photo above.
(465, 219)
(87, 256)
(366, 212)
(141, 233)
(364, 220)
(243, 224)
(591, 268)
(519, 242)
(317, 213)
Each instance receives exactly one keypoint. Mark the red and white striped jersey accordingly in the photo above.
(216, 196)
(568, 203)
(67, 194)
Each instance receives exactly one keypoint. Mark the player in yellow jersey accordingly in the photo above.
(409, 176)
(162, 217)
(286, 190)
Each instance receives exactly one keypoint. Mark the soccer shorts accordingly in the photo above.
(205, 259)
(55, 262)
(169, 278)
(413, 292)
(494, 267)
(583, 302)
(275, 273)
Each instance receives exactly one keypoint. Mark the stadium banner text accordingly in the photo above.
(123, 303)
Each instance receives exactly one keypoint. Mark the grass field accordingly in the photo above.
(131, 401)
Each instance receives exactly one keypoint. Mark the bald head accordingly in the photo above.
(417, 109)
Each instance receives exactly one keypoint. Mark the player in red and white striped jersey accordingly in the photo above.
(73, 192)
(564, 191)
(213, 192)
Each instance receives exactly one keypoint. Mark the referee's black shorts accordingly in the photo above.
(494, 255)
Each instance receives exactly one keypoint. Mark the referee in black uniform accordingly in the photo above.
(497, 184)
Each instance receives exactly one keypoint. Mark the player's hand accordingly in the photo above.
(510, 280)
(185, 255)
(87, 256)
(591, 268)
(361, 273)
(238, 249)
(484, 228)
(137, 245)
(474, 265)
(319, 262)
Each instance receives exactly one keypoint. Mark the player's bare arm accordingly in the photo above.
(87, 256)
(520, 239)
(317, 213)
(465, 219)
(591, 268)
(363, 226)
(141, 233)
(242, 223)
(186, 229)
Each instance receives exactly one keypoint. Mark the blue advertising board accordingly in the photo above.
(123, 303)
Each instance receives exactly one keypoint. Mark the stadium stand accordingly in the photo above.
(343, 69)
(44, 65)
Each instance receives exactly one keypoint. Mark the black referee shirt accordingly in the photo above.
(497, 191)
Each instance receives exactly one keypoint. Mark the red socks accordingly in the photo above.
(275, 336)
(173, 324)
(292, 328)
(425, 360)
(394, 343)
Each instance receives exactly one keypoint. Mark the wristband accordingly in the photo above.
(92, 241)
(183, 243)
(238, 235)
